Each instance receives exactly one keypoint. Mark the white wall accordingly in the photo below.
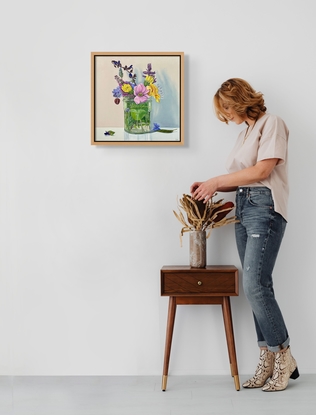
(85, 230)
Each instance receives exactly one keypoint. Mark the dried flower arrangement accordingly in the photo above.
(202, 216)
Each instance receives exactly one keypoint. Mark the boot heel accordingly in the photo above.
(295, 374)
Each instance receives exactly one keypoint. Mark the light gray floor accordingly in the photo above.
(142, 395)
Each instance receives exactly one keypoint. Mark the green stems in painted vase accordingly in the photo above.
(137, 116)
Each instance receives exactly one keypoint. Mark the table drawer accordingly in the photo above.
(212, 281)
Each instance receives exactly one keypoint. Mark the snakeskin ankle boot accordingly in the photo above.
(263, 372)
(285, 367)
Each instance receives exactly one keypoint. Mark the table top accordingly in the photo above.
(213, 268)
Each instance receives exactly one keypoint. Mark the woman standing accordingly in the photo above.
(257, 169)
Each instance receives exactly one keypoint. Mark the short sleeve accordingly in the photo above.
(274, 140)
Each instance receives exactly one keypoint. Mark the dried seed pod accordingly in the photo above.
(202, 215)
(223, 211)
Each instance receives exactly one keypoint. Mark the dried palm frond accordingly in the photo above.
(201, 215)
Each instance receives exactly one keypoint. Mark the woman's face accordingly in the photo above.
(232, 114)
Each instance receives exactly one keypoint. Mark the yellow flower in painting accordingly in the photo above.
(149, 80)
(153, 92)
(127, 88)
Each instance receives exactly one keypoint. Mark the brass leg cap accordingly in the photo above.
(237, 384)
(164, 383)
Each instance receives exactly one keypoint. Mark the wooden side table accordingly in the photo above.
(211, 285)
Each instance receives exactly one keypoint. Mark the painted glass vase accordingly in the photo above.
(137, 116)
(198, 249)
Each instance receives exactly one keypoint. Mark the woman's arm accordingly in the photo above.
(229, 182)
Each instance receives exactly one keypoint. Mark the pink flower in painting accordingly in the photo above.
(141, 93)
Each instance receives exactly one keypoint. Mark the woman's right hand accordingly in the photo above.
(194, 186)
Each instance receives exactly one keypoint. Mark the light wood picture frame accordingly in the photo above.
(137, 98)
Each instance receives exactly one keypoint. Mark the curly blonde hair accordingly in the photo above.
(239, 95)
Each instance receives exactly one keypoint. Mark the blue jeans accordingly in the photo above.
(259, 235)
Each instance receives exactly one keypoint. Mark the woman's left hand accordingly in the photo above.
(204, 190)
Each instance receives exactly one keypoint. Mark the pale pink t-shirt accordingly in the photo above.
(268, 139)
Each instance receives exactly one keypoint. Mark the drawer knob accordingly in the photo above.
(199, 282)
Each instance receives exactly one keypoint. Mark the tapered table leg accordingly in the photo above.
(228, 323)
(169, 333)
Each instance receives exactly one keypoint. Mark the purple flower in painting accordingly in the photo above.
(117, 92)
(110, 132)
(149, 72)
(117, 64)
(141, 93)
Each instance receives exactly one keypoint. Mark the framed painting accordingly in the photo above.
(137, 98)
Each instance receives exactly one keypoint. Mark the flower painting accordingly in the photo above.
(137, 98)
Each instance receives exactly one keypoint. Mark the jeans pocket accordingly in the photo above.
(261, 198)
